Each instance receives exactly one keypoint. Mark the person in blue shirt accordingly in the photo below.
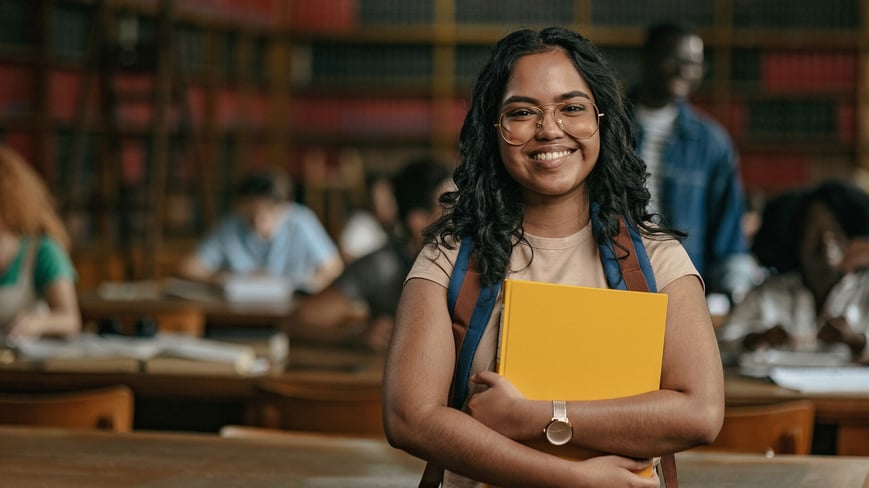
(37, 278)
(267, 235)
(693, 167)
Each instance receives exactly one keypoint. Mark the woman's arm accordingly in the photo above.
(62, 318)
(687, 411)
(418, 373)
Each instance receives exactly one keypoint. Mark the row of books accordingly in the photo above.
(788, 118)
(406, 117)
(338, 15)
(698, 13)
(797, 14)
(368, 64)
(771, 171)
(782, 70)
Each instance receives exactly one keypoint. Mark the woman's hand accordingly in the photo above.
(616, 471)
(496, 406)
(774, 336)
(26, 325)
(836, 330)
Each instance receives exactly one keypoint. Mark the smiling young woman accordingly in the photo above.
(547, 170)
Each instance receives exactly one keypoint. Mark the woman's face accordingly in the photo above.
(552, 164)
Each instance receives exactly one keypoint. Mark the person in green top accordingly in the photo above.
(37, 278)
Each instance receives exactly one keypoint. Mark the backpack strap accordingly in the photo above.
(471, 305)
(625, 263)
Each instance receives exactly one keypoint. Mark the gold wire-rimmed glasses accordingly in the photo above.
(520, 123)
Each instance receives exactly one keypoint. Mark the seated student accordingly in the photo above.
(368, 229)
(37, 279)
(360, 305)
(267, 235)
(817, 298)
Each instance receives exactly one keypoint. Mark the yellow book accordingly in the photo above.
(561, 342)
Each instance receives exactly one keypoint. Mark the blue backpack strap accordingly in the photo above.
(614, 263)
(469, 323)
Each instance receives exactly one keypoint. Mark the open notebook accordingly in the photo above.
(580, 343)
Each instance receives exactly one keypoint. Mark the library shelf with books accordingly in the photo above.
(318, 86)
(174, 156)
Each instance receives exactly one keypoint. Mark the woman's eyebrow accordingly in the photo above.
(533, 101)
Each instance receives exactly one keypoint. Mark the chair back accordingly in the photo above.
(336, 407)
(779, 428)
(106, 408)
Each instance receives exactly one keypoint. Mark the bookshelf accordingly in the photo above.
(312, 84)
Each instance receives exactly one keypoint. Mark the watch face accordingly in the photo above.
(559, 432)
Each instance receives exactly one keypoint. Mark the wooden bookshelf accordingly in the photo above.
(286, 82)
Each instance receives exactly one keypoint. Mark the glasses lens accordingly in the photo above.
(519, 125)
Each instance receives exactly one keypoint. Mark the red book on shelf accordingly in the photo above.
(774, 171)
(847, 122)
(64, 92)
(16, 90)
(323, 15)
(227, 108)
(132, 162)
(813, 70)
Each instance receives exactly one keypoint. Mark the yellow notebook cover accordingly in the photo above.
(580, 343)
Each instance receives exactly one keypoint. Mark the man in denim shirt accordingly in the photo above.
(694, 175)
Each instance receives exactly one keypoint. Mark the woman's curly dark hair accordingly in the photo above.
(486, 205)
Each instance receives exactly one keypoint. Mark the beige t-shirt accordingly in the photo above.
(572, 260)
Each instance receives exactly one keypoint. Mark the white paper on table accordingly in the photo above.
(854, 379)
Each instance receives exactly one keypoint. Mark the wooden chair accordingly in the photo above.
(778, 428)
(105, 408)
(182, 320)
(335, 407)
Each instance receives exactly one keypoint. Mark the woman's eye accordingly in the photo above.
(573, 109)
(521, 113)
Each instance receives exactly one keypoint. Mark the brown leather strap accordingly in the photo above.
(433, 475)
(668, 471)
(465, 303)
(635, 281)
(631, 272)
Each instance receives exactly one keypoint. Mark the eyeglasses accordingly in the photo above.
(521, 123)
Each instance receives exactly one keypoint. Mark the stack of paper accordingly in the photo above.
(823, 380)
(88, 347)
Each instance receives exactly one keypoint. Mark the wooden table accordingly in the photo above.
(218, 312)
(846, 413)
(47, 458)
(197, 398)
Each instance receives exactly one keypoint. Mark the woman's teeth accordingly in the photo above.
(548, 156)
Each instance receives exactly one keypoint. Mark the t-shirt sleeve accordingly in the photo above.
(435, 263)
(52, 264)
(670, 261)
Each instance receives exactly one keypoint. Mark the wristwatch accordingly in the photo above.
(559, 431)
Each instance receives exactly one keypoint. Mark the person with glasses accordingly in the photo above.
(547, 167)
(693, 170)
